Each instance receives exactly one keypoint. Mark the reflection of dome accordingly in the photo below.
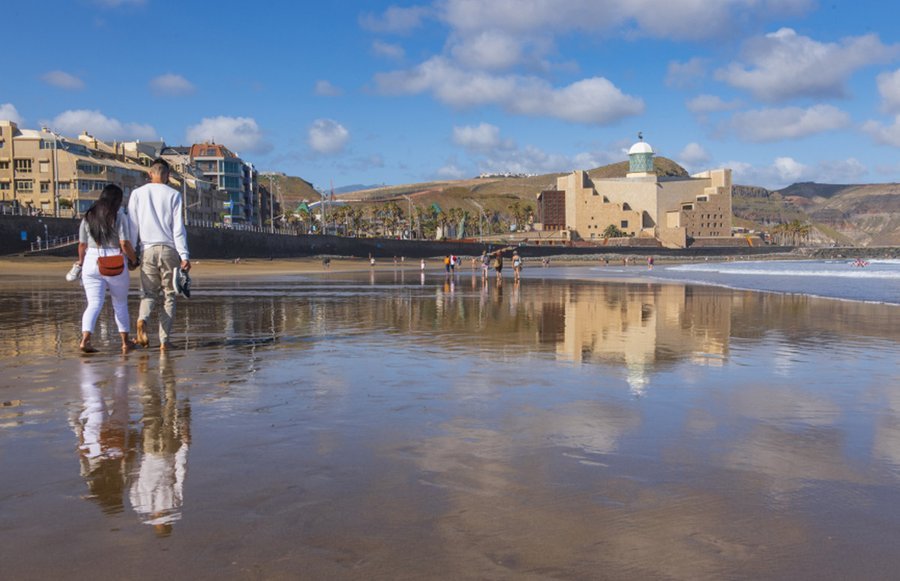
(637, 378)
(640, 147)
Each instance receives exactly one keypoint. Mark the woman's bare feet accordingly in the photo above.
(85, 345)
(127, 344)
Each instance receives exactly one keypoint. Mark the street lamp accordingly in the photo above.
(409, 201)
(480, 220)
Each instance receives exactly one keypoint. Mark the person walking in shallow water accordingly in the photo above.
(155, 212)
(104, 233)
(517, 266)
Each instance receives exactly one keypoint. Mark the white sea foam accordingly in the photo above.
(848, 272)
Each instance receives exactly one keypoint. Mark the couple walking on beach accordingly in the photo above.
(108, 237)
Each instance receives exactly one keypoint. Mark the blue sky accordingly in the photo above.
(377, 92)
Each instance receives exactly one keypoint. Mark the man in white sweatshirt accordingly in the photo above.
(155, 213)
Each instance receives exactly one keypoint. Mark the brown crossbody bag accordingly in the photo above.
(111, 265)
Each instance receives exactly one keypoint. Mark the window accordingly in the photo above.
(23, 165)
(2, 143)
(44, 165)
(45, 187)
(84, 186)
(90, 168)
(4, 165)
(624, 224)
(46, 144)
(4, 186)
(64, 185)
(25, 185)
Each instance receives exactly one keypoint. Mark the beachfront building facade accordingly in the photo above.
(204, 202)
(44, 173)
(222, 167)
(676, 211)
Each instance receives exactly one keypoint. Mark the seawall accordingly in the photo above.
(223, 243)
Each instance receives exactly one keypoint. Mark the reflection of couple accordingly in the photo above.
(152, 465)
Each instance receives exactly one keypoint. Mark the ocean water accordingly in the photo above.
(879, 282)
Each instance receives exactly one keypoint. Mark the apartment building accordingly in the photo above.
(222, 167)
(204, 202)
(43, 172)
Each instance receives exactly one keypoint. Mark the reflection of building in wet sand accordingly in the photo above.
(640, 327)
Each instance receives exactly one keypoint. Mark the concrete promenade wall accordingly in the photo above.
(222, 243)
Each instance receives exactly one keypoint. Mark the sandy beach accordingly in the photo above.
(380, 423)
(254, 267)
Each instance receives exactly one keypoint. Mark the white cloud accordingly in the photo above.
(388, 50)
(327, 137)
(784, 171)
(693, 154)
(702, 104)
(63, 80)
(889, 89)
(483, 137)
(787, 123)
(325, 88)
(74, 122)
(676, 19)
(489, 50)
(451, 171)
(884, 134)
(594, 100)
(394, 20)
(171, 85)
(681, 75)
(8, 112)
(240, 134)
(783, 65)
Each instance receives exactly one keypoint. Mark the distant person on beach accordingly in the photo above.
(156, 214)
(104, 234)
(447, 260)
(371, 260)
(498, 265)
(650, 263)
(485, 264)
(422, 265)
(326, 263)
(517, 266)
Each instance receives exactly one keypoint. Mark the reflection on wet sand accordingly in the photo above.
(105, 441)
(149, 463)
(384, 425)
(157, 487)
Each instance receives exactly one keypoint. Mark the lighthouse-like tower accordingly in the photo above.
(640, 159)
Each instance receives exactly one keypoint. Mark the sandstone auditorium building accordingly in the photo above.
(675, 211)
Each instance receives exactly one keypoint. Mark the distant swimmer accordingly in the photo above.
(859, 262)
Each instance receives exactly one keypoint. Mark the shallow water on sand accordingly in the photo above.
(387, 426)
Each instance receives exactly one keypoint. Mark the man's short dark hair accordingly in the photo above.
(163, 164)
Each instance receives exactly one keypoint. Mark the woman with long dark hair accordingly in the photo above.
(103, 247)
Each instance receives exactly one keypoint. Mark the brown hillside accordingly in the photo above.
(291, 190)
(494, 194)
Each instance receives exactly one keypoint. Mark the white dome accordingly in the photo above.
(640, 147)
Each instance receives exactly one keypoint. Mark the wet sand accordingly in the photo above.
(384, 425)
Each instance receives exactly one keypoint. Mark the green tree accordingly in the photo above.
(613, 231)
